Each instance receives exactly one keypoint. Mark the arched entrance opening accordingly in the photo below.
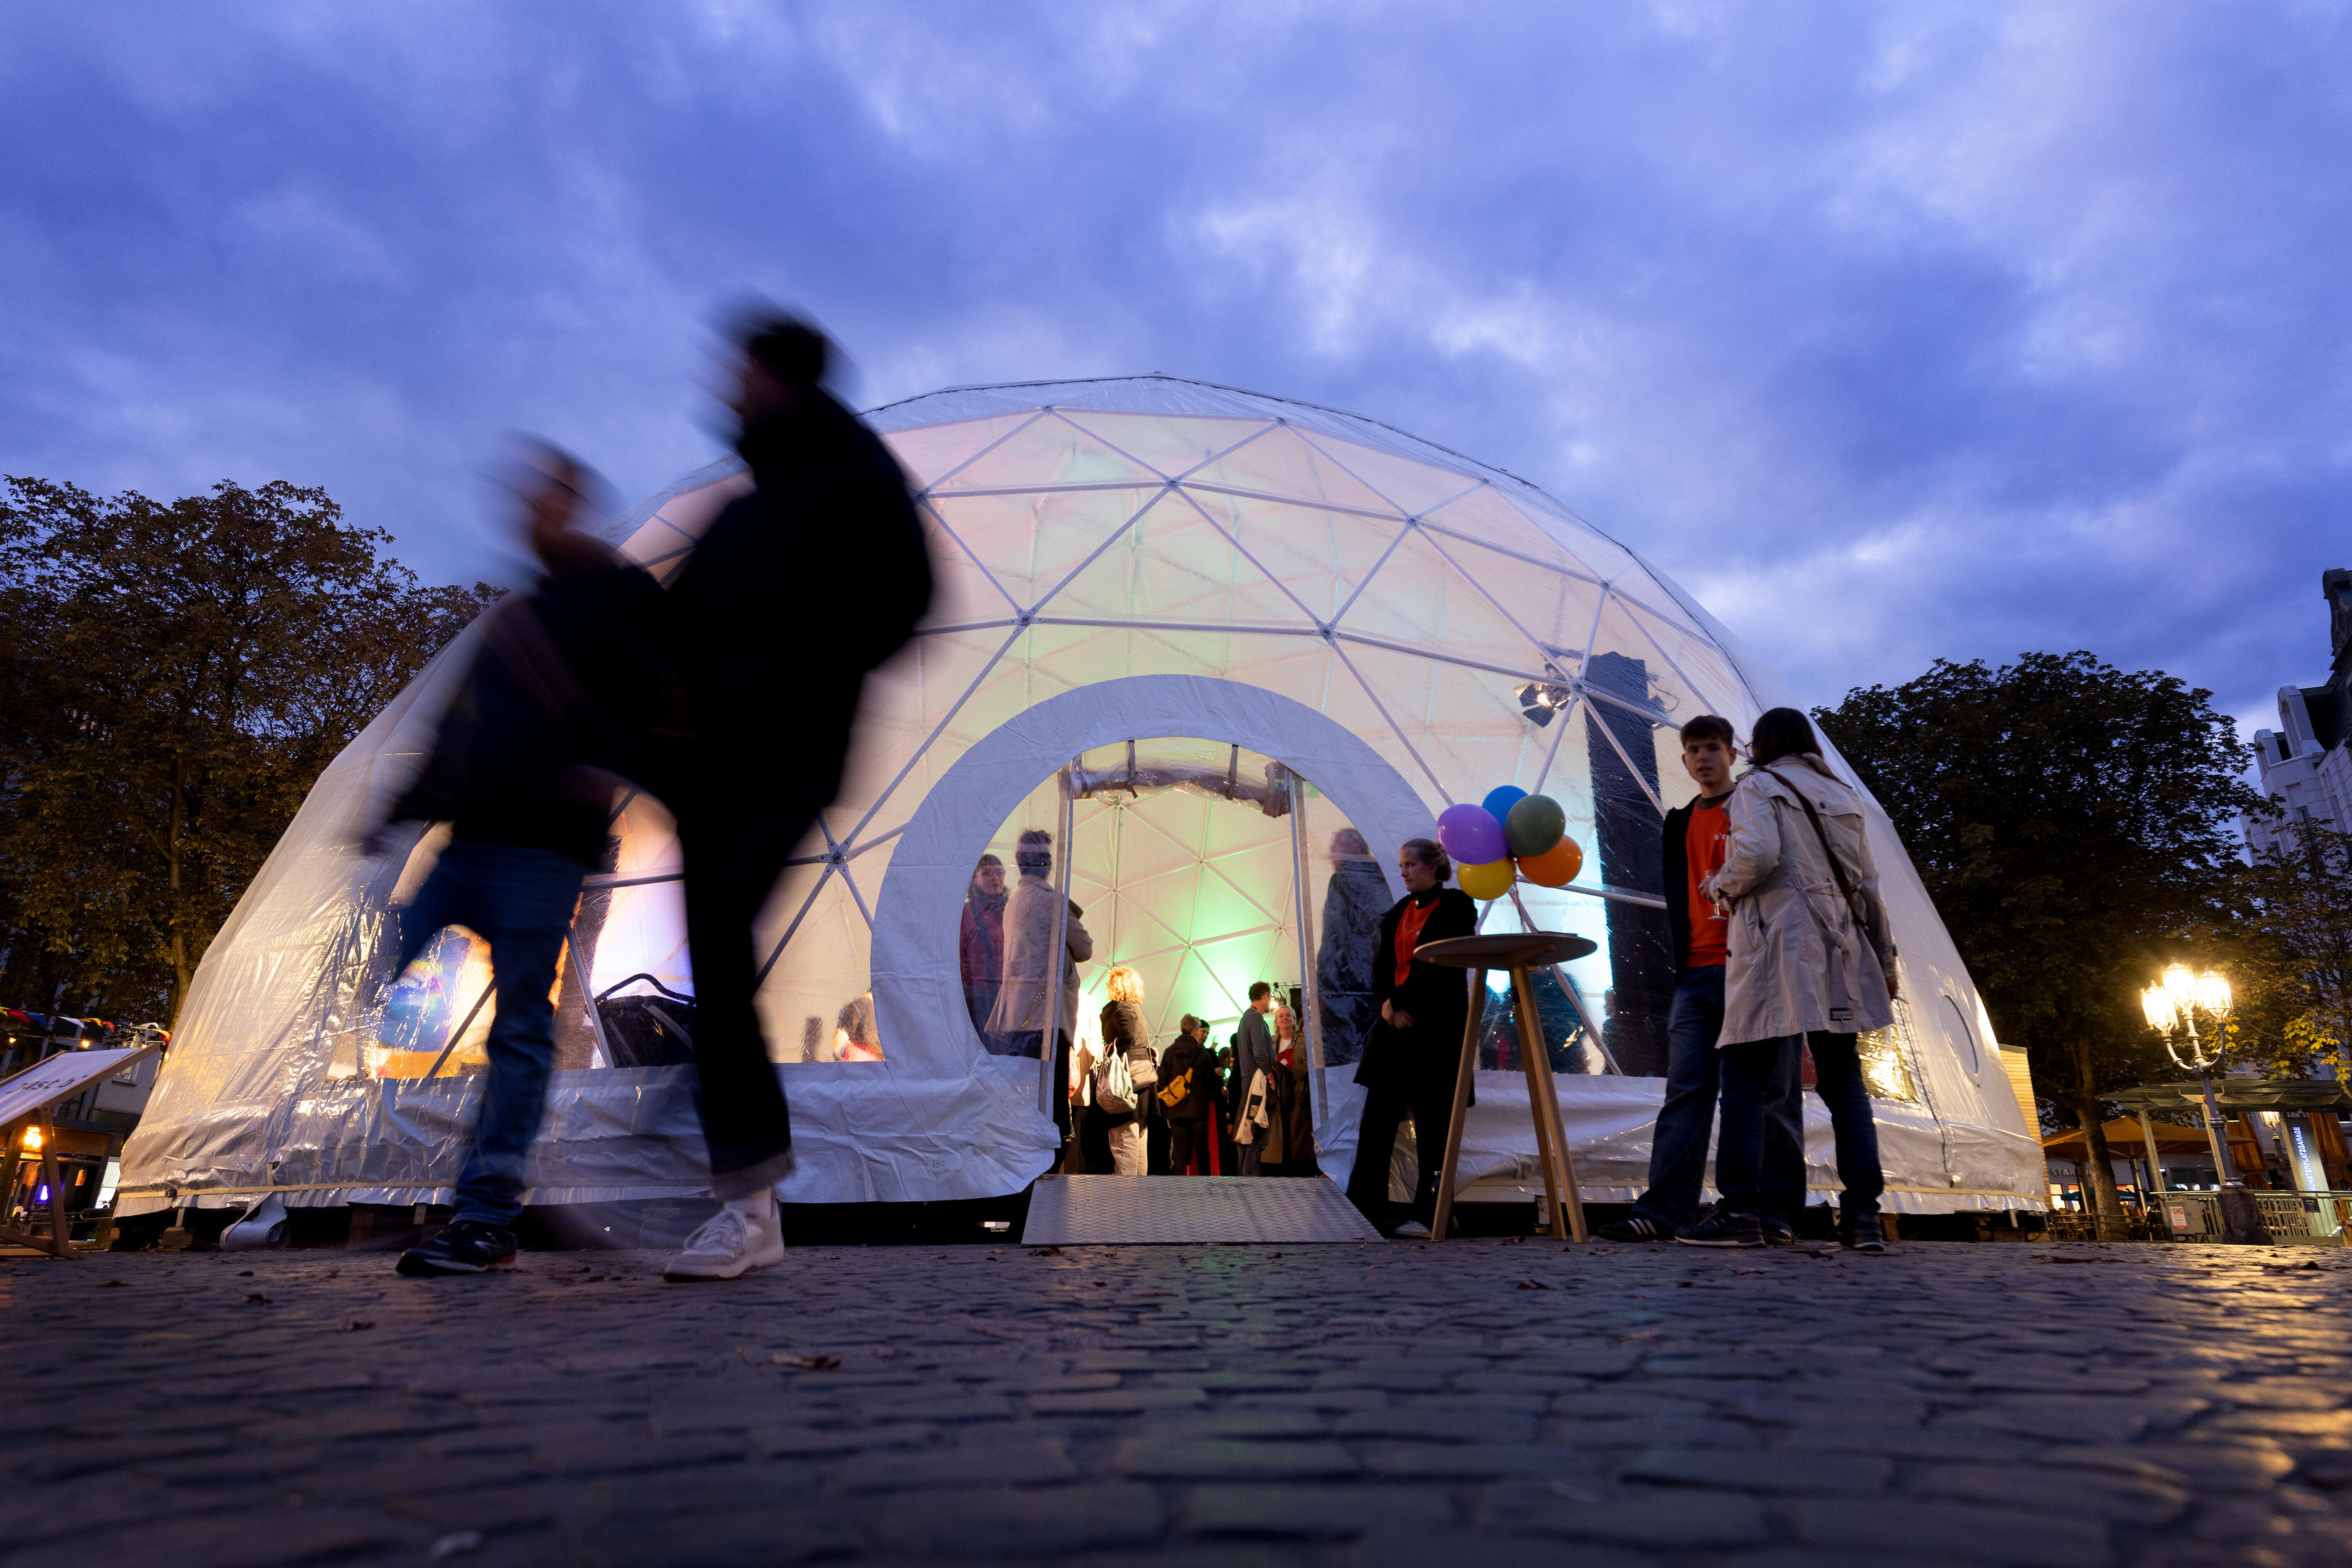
(1202, 867)
(1076, 743)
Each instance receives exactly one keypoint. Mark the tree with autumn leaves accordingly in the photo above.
(175, 676)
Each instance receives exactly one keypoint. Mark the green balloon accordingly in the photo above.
(1534, 825)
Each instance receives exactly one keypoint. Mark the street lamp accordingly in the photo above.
(2173, 1004)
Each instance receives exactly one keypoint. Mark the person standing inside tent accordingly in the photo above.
(796, 590)
(1414, 1051)
(1352, 906)
(1188, 1090)
(1253, 1053)
(1695, 836)
(1037, 1003)
(1298, 1110)
(1125, 1038)
(1811, 963)
(521, 769)
(980, 941)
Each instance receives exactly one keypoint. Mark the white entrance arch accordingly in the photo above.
(919, 1000)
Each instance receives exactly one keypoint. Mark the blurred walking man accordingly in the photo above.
(523, 768)
(796, 590)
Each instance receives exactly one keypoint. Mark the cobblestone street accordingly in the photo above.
(1482, 1402)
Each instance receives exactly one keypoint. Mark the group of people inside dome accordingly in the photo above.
(1128, 1104)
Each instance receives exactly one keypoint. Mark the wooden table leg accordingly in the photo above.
(1551, 1131)
(1443, 1218)
(1531, 1066)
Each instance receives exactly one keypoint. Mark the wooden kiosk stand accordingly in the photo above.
(1519, 953)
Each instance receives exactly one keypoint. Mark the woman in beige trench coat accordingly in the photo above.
(1808, 966)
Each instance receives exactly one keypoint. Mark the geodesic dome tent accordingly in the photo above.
(1230, 651)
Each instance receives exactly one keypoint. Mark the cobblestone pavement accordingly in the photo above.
(1481, 1402)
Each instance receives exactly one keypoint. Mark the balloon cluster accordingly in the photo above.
(1509, 827)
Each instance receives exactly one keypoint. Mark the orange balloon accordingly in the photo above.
(1555, 867)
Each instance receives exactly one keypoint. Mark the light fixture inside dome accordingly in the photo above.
(1541, 701)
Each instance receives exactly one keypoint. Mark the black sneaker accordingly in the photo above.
(1635, 1227)
(1778, 1232)
(464, 1247)
(1721, 1228)
(1860, 1233)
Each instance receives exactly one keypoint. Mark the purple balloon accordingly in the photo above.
(1471, 834)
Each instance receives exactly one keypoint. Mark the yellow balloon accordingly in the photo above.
(1491, 880)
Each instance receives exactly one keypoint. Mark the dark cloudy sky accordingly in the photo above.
(1893, 331)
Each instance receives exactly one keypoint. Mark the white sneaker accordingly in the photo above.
(744, 1235)
(1412, 1230)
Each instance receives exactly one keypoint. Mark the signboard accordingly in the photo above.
(67, 1073)
(2179, 1217)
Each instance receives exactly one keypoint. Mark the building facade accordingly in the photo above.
(2306, 764)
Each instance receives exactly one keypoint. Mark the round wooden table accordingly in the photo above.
(1520, 952)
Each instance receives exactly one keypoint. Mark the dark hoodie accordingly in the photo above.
(557, 700)
(796, 590)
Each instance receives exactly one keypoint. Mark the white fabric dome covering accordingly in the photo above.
(1196, 632)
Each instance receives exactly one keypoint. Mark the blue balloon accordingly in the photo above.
(1499, 801)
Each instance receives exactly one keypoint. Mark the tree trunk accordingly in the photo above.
(2099, 1176)
(171, 858)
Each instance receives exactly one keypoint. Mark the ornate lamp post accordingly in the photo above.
(2172, 1004)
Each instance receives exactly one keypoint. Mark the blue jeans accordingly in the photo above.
(519, 901)
(1837, 1079)
(1678, 1142)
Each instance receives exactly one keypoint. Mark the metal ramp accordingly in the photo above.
(1173, 1211)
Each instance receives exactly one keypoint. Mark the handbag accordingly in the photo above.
(1114, 1090)
(1175, 1094)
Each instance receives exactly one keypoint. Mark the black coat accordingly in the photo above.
(796, 590)
(558, 698)
(1425, 1058)
(1123, 1031)
(1188, 1055)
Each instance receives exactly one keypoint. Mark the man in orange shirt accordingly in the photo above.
(1695, 837)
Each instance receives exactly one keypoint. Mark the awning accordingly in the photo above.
(2124, 1138)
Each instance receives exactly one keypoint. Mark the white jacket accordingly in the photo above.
(1796, 962)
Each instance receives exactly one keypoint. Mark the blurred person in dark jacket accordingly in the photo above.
(523, 768)
(1414, 1051)
(796, 590)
